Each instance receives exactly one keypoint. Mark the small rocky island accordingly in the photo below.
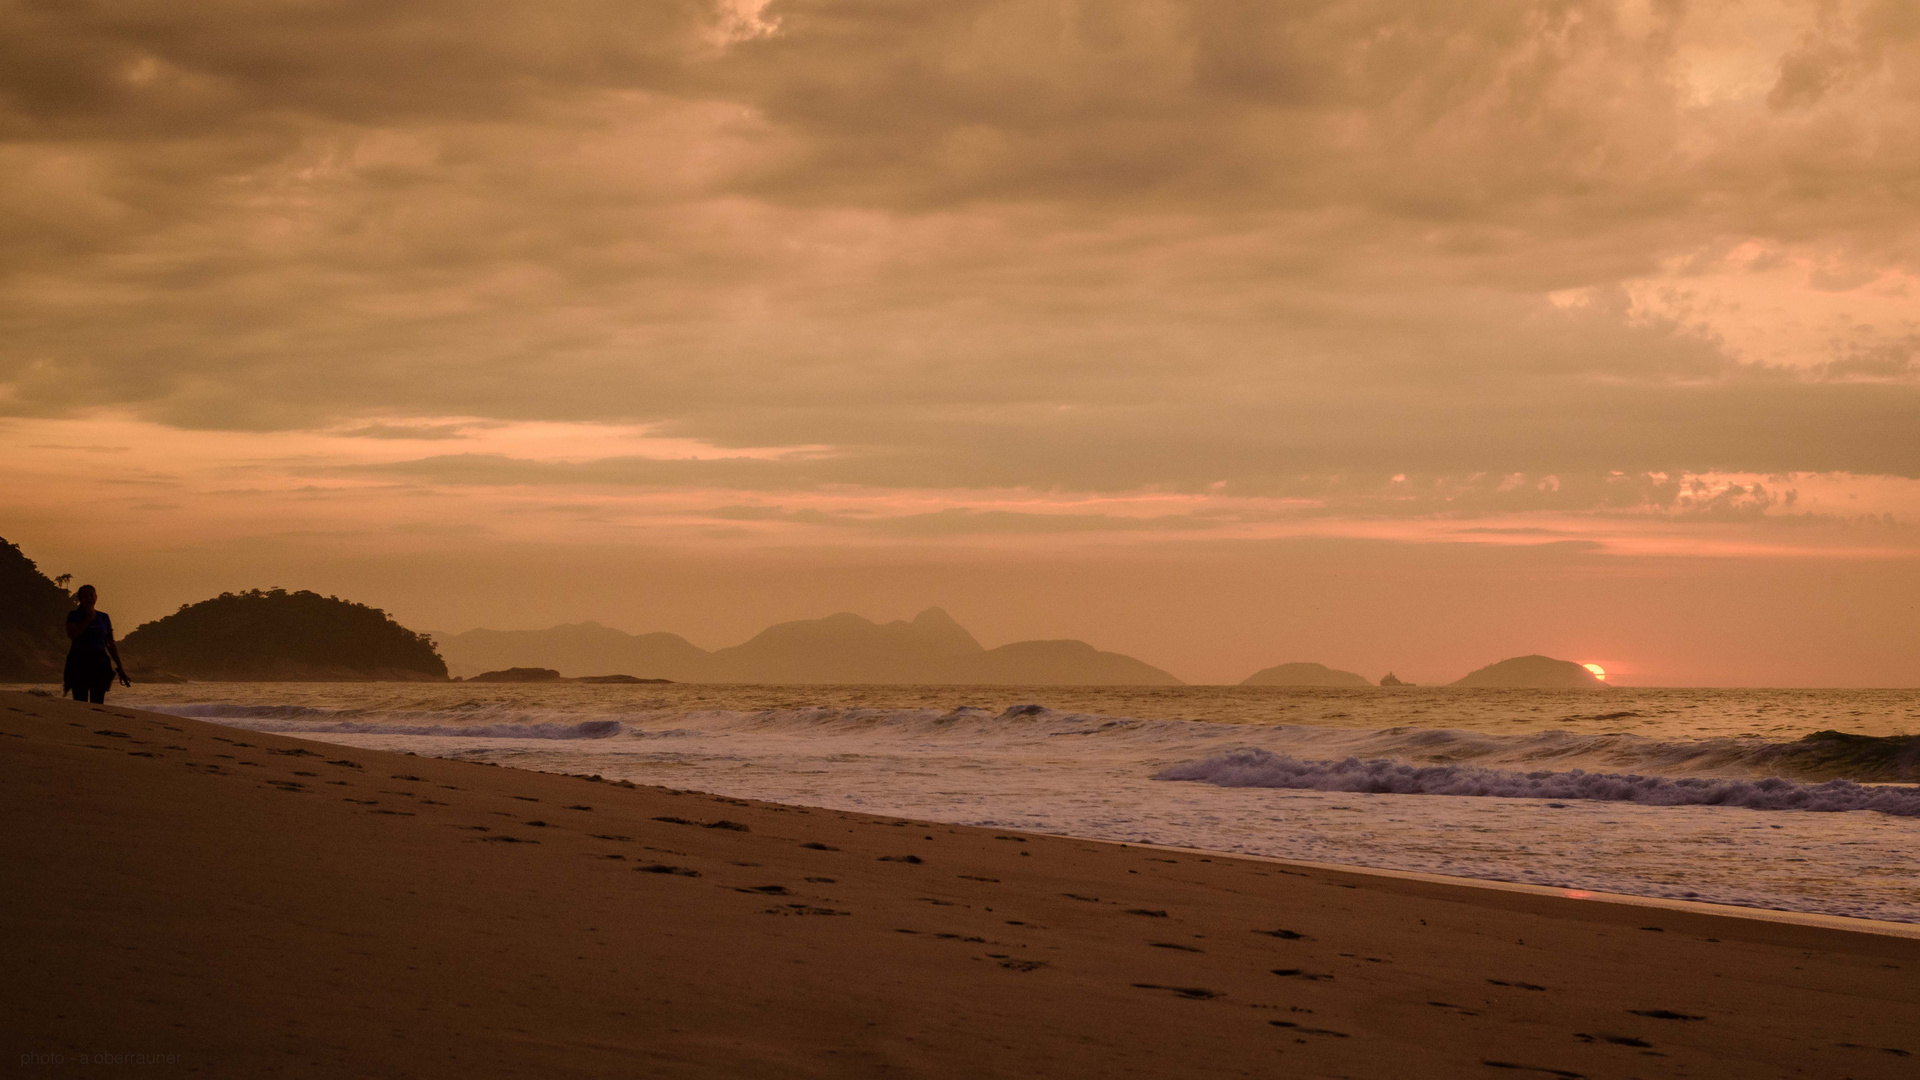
(517, 674)
(1532, 673)
(274, 635)
(542, 674)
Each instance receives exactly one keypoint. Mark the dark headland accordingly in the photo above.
(32, 648)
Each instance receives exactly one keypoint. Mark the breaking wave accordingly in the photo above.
(1261, 768)
(1819, 756)
(228, 713)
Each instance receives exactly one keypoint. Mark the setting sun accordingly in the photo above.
(1598, 671)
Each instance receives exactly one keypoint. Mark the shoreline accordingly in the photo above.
(1776, 895)
(1844, 923)
(252, 902)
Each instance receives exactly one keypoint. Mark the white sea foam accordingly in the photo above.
(1262, 769)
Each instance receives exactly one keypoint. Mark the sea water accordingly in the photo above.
(1794, 800)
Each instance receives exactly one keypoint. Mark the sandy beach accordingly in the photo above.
(184, 897)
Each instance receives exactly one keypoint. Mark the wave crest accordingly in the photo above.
(293, 720)
(1261, 768)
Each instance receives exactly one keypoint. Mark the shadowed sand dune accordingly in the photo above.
(242, 904)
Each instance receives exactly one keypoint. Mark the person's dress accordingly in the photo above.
(88, 665)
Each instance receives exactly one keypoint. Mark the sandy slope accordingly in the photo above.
(255, 905)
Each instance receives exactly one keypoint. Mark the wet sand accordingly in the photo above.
(186, 898)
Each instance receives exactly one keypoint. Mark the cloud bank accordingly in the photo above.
(339, 281)
(1083, 245)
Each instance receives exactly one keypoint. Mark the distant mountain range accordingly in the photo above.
(276, 635)
(930, 649)
(1305, 674)
(843, 648)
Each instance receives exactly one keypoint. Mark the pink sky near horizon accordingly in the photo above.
(1392, 336)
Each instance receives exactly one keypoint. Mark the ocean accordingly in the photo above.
(1791, 800)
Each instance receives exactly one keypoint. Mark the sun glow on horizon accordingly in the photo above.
(1598, 671)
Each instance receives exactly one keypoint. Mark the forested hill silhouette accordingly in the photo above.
(931, 648)
(32, 609)
(276, 635)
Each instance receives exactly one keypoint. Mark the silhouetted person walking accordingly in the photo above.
(93, 659)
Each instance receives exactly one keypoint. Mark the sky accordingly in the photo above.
(1387, 334)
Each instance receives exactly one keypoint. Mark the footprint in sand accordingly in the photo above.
(1564, 1073)
(1197, 993)
(1307, 1030)
(1895, 1051)
(731, 826)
